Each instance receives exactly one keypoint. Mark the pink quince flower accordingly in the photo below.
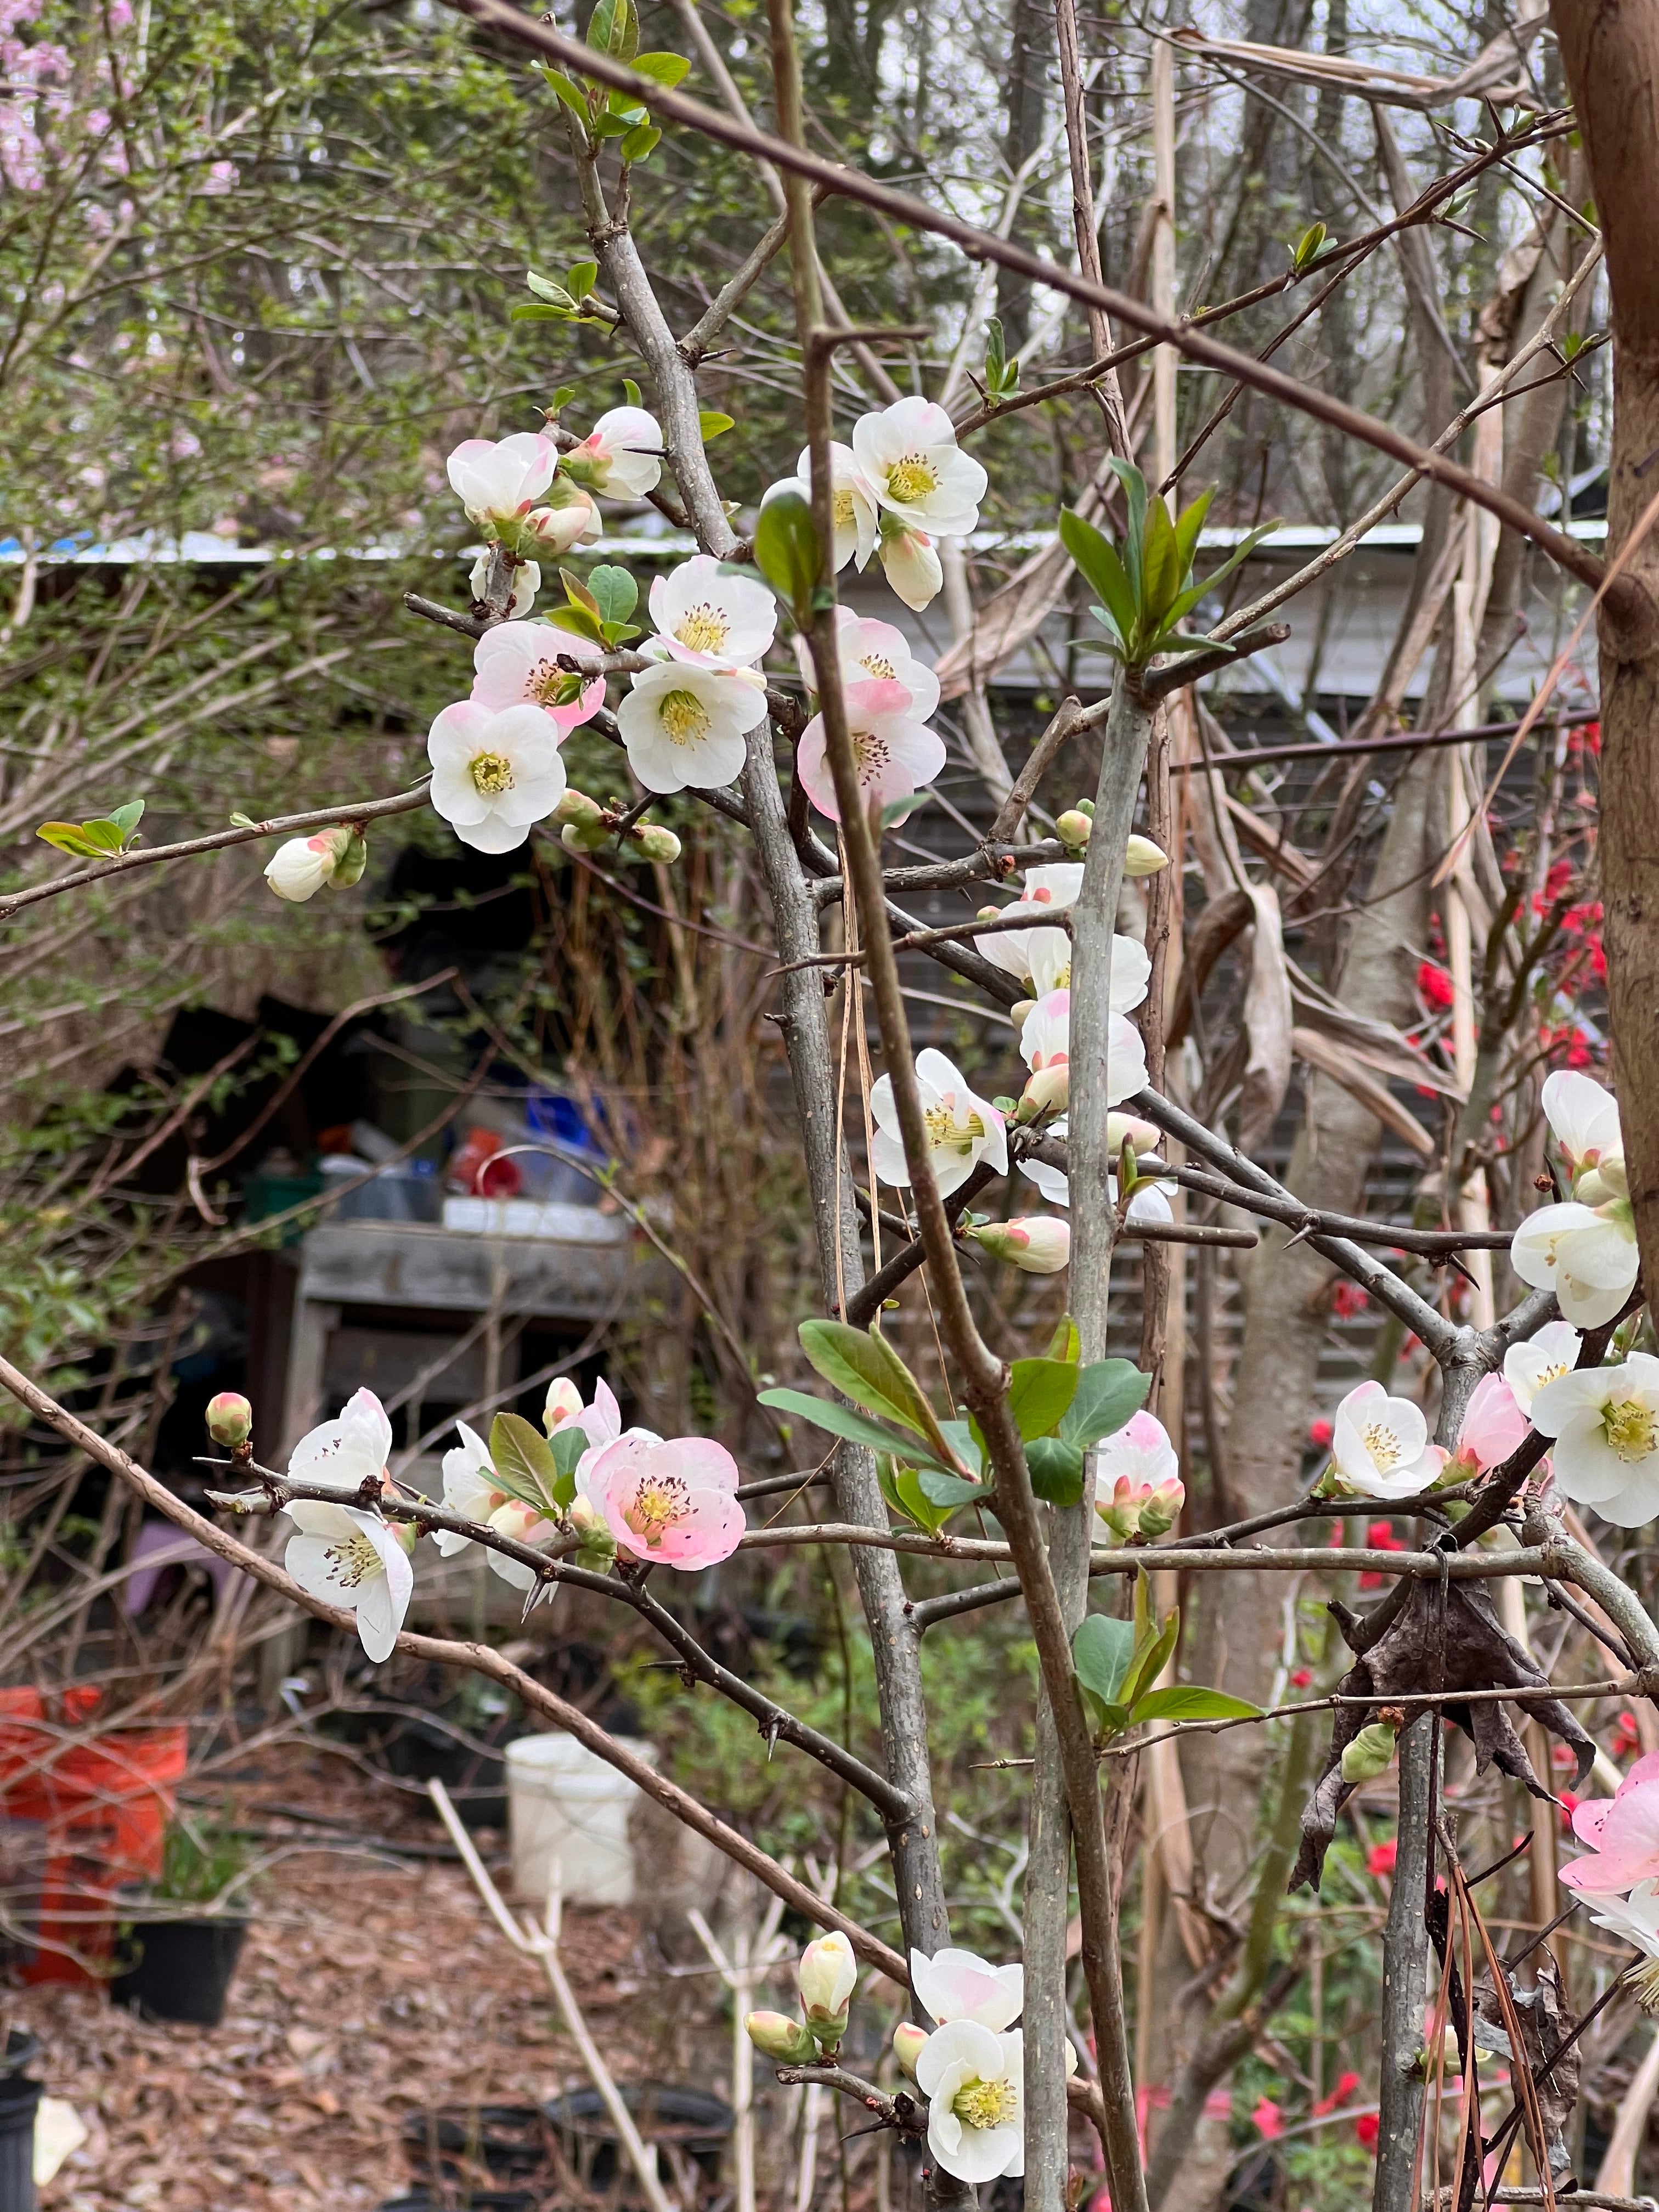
(672, 1503)
(895, 753)
(1622, 1831)
(516, 665)
(1493, 1426)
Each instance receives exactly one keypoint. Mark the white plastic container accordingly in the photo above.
(565, 1803)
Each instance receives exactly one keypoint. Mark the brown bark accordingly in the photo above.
(1610, 49)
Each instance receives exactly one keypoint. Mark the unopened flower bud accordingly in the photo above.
(1141, 857)
(349, 868)
(230, 1419)
(298, 870)
(1046, 1092)
(781, 2038)
(578, 837)
(1370, 1753)
(1037, 1245)
(828, 1975)
(1161, 1509)
(1073, 828)
(1141, 1134)
(597, 1547)
(563, 1399)
(1019, 1011)
(658, 842)
(576, 806)
(909, 2041)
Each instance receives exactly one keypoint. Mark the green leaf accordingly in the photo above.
(1101, 1652)
(545, 288)
(126, 818)
(1189, 523)
(1307, 245)
(940, 1489)
(640, 141)
(1183, 1703)
(70, 837)
(1134, 536)
(1160, 568)
(1066, 1344)
(579, 595)
(613, 592)
(611, 124)
(1109, 1391)
(561, 398)
(630, 391)
(523, 1459)
(580, 278)
(843, 1421)
(901, 1486)
(556, 83)
(567, 1445)
(1100, 566)
(864, 1367)
(965, 1441)
(712, 423)
(614, 28)
(662, 69)
(540, 311)
(787, 552)
(1241, 551)
(1056, 1470)
(1152, 1645)
(243, 822)
(1039, 1392)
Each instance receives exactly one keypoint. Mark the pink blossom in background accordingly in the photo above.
(669, 1502)
(1622, 1832)
(1493, 1426)
(1269, 2120)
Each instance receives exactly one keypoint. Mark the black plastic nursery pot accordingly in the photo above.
(181, 1969)
(691, 2120)
(463, 2199)
(20, 2100)
(507, 2141)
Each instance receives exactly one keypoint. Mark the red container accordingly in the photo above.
(78, 1819)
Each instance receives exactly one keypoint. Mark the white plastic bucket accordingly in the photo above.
(566, 1805)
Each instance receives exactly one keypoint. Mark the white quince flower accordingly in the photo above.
(498, 481)
(1585, 1118)
(973, 2082)
(526, 582)
(683, 725)
(620, 456)
(1045, 1044)
(1586, 1255)
(910, 564)
(962, 1129)
(470, 1494)
(494, 774)
(961, 1985)
(352, 1558)
(1527, 1367)
(894, 754)
(1605, 1421)
(516, 665)
(347, 1451)
(711, 619)
(908, 454)
(828, 1975)
(1150, 1200)
(875, 652)
(1381, 1444)
(853, 508)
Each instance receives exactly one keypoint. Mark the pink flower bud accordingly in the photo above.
(1037, 1245)
(781, 2038)
(230, 1419)
(1046, 1091)
(908, 2043)
(563, 1399)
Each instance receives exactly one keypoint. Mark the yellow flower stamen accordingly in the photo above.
(703, 628)
(492, 774)
(684, 717)
(986, 2104)
(911, 479)
(659, 1505)
(1382, 1444)
(1630, 1427)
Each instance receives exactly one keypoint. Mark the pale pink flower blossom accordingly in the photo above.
(669, 1503)
(1622, 1832)
(895, 755)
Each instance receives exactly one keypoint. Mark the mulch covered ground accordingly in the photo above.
(372, 1988)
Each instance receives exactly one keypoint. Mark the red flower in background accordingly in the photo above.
(1344, 2088)
(1626, 1736)
(1302, 1678)
(1269, 2120)
(1380, 1537)
(1367, 2128)
(1348, 1299)
(1320, 1433)
(1381, 1858)
(1434, 984)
